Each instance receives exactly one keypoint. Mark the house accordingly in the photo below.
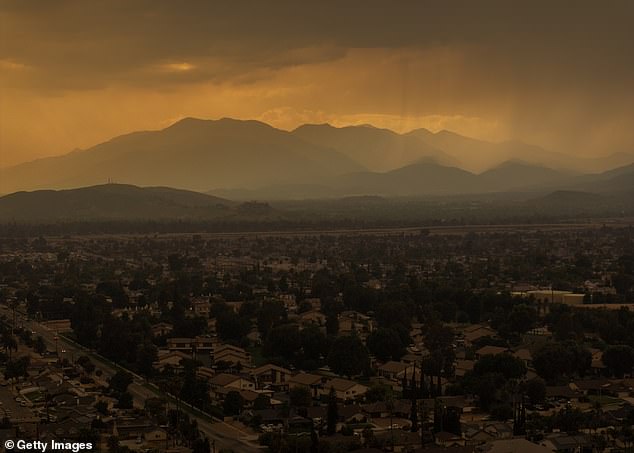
(597, 365)
(477, 436)
(180, 344)
(231, 354)
(271, 375)
(561, 391)
(395, 370)
(312, 382)
(345, 389)
(199, 345)
(594, 387)
(500, 430)
(399, 439)
(489, 350)
(352, 413)
(201, 307)
(525, 356)
(161, 329)
(205, 372)
(171, 360)
(380, 409)
(568, 443)
(354, 322)
(517, 445)
(473, 333)
(312, 318)
(446, 439)
(438, 449)
(222, 383)
(136, 428)
(463, 366)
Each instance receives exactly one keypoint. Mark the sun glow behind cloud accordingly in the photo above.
(178, 67)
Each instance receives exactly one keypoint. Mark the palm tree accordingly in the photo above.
(9, 343)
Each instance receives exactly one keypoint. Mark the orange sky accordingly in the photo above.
(74, 73)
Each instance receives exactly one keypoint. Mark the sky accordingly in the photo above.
(557, 74)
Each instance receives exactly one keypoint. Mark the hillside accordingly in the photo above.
(118, 202)
(427, 178)
(520, 175)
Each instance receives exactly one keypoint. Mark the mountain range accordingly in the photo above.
(251, 160)
(432, 179)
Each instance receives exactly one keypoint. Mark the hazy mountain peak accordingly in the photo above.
(375, 148)
(517, 163)
(191, 123)
(192, 153)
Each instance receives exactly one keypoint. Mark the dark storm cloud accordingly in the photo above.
(555, 73)
(79, 44)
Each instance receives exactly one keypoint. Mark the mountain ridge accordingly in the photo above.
(231, 154)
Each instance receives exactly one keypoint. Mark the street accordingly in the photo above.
(224, 435)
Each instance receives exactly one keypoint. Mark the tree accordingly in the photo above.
(486, 387)
(17, 368)
(40, 345)
(230, 326)
(535, 390)
(233, 404)
(348, 356)
(385, 344)
(439, 338)
(194, 390)
(501, 411)
(120, 381)
(283, 340)
(270, 314)
(113, 444)
(262, 402)
(377, 392)
(619, 359)
(300, 397)
(125, 401)
(315, 345)
(147, 354)
(332, 325)
(9, 343)
(507, 365)
(102, 407)
(86, 364)
(522, 318)
(555, 360)
(333, 412)
(201, 445)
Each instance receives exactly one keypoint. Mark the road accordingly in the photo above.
(224, 435)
